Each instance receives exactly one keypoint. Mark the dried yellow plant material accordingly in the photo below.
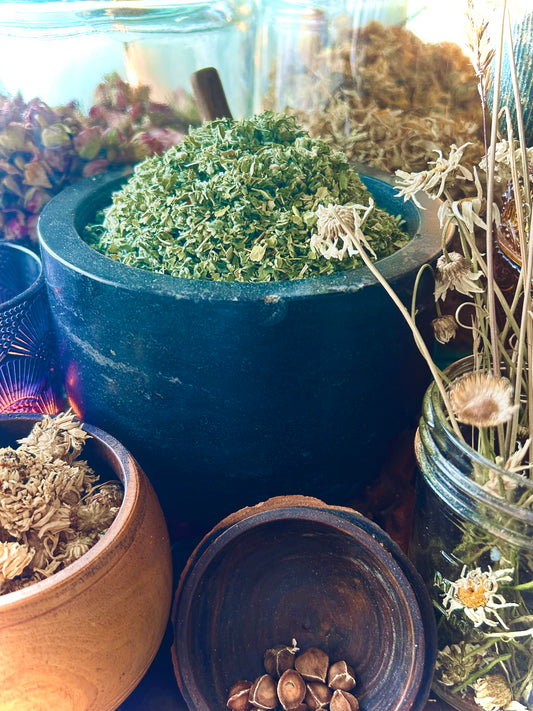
(53, 508)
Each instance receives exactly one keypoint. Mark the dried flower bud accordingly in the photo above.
(55, 136)
(263, 693)
(88, 142)
(444, 328)
(280, 658)
(341, 676)
(238, 696)
(343, 701)
(15, 137)
(312, 664)
(291, 689)
(35, 174)
(318, 695)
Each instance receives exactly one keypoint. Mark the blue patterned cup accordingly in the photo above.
(29, 374)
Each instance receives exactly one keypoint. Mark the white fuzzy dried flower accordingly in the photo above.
(433, 181)
(454, 272)
(476, 593)
(444, 328)
(482, 399)
(492, 693)
(339, 228)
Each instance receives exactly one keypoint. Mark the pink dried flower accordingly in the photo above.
(95, 167)
(35, 174)
(88, 142)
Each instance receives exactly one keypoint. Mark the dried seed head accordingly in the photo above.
(263, 694)
(291, 689)
(341, 676)
(343, 701)
(238, 696)
(280, 658)
(454, 272)
(312, 664)
(444, 328)
(318, 695)
(482, 399)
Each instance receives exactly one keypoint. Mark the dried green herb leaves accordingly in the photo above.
(237, 201)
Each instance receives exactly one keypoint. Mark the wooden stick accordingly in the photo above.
(209, 94)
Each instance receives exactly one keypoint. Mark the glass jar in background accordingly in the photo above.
(472, 542)
(87, 85)
(387, 82)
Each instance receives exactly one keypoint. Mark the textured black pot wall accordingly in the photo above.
(228, 394)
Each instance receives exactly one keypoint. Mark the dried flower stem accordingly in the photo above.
(491, 161)
(420, 343)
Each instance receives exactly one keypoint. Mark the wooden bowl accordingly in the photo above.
(82, 639)
(293, 567)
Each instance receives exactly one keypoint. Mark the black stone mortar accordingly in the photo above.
(229, 393)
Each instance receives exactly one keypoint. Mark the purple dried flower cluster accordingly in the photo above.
(43, 149)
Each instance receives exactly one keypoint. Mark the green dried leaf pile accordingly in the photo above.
(237, 201)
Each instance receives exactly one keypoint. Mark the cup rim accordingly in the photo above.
(64, 216)
(34, 287)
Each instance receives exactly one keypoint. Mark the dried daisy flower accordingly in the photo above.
(482, 399)
(456, 662)
(444, 328)
(492, 693)
(14, 557)
(52, 506)
(475, 593)
(454, 272)
(433, 181)
(58, 437)
(336, 226)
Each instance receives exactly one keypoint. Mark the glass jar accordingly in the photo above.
(474, 550)
(388, 82)
(87, 85)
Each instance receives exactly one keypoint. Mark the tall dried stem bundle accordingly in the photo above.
(486, 613)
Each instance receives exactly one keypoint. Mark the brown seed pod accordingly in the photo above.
(318, 695)
(343, 701)
(341, 676)
(291, 689)
(238, 696)
(280, 658)
(263, 693)
(312, 664)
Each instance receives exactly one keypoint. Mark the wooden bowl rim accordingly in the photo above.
(348, 520)
(128, 471)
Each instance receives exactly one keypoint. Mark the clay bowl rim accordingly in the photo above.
(34, 287)
(126, 469)
(341, 518)
(66, 214)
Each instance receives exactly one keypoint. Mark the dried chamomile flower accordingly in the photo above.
(434, 180)
(482, 399)
(58, 437)
(51, 508)
(492, 693)
(475, 592)
(456, 662)
(14, 557)
(337, 226)
(454, 272)
(444, 328)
